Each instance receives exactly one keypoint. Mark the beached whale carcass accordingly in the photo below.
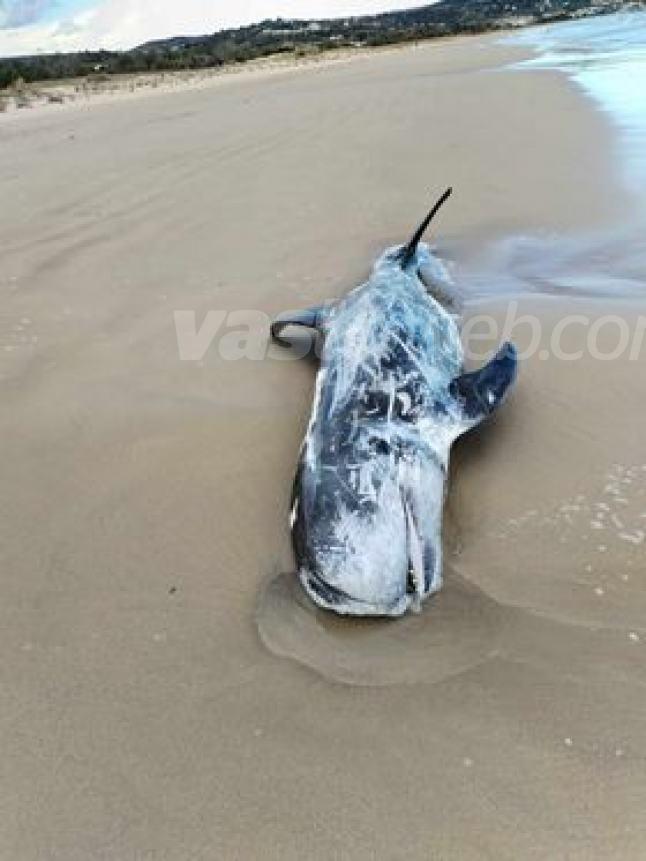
(391, 397)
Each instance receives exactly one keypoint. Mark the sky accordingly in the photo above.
(33, 26)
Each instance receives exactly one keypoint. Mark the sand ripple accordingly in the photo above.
(457, 629)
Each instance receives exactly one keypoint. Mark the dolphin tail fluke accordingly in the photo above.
(310, 318)
(481, 392)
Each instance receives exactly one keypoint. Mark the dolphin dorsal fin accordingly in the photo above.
(408, 251)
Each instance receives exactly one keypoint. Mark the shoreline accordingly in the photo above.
(47, 93)
(83, 92)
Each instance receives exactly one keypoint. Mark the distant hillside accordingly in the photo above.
(445, 18)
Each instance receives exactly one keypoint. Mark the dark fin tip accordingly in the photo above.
(408, 252)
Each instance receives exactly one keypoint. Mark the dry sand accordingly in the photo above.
(166, 691)
(99, 87)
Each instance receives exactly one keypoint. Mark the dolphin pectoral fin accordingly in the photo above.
(310, 318)
(480, 393)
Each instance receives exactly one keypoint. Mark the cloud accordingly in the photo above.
(124, 23)
(120, 24)
(18, 13)
(67, 28)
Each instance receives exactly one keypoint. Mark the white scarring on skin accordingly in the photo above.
(369, 493)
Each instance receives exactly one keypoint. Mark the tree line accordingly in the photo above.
(242, 44)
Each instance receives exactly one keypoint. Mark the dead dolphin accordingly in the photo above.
(391, 397)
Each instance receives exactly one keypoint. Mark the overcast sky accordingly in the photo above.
(30, 26)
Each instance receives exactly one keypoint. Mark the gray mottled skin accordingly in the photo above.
(390, 400)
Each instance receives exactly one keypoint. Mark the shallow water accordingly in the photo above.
(609, 263)
(606, 56)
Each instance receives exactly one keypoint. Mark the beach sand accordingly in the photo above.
(167, 691)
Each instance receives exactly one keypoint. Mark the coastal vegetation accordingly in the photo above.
(448, 17)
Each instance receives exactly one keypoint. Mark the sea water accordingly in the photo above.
(606, 56)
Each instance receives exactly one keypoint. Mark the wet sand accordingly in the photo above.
(167, 692)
